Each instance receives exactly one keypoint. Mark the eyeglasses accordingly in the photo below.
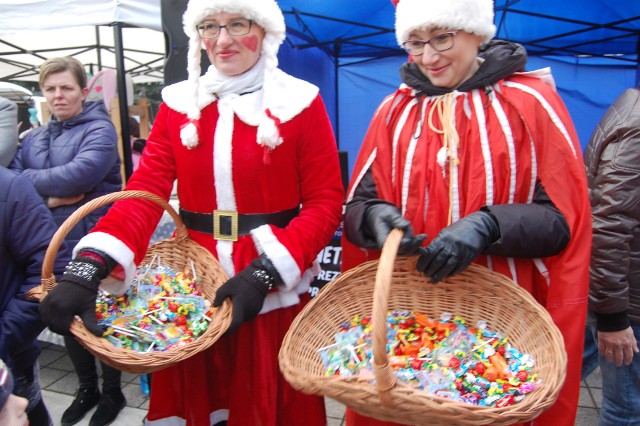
(439, 43)
(236, 27)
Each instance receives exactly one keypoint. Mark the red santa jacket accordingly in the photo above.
(232, 172)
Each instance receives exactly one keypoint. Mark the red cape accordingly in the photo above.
(517, 134)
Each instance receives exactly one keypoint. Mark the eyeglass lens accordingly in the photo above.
(439, 43)
(237, 27)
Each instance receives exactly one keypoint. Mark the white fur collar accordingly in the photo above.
(293, 96)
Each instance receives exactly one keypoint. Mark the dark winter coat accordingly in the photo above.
(72, 157)
(26, 228)
(613, 170)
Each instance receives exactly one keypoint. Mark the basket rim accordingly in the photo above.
(341, 388)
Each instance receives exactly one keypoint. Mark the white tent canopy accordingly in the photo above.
(33, 30)
(19, 15)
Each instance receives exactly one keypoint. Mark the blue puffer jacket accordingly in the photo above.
(72, 157)
(26, 228)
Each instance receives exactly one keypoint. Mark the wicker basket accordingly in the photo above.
(176, 252)
(476, 294)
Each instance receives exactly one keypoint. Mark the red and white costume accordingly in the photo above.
(509, 136)
(238, 377)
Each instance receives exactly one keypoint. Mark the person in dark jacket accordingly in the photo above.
(471, 157)
(8, 130)
(72, 160)
(612, 159)
(12, 408)
(74, 157)
(26, 227)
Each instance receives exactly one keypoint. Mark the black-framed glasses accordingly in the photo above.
(439, 43)
(235, 27)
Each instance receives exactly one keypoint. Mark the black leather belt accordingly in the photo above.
(228, 225)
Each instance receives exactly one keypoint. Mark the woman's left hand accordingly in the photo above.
(457, 245)
(247, 295)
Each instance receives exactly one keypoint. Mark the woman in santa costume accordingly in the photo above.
(247, 138)
(477, 161)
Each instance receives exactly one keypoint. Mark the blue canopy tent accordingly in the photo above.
(350, 51)
(348, 48)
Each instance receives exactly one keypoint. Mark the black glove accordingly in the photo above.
(382, 218)
(75, 293)
(457, 245)
(247, 291)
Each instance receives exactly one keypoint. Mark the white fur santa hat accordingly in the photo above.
(265, 13)
(472, 16)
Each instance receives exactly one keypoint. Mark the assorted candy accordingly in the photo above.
(446, 358)
(163, 309)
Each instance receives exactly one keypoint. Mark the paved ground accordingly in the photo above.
(59, 384)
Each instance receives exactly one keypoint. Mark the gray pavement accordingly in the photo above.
(59, 383)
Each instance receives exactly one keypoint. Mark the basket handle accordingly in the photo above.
(48, 279)
(385, 379)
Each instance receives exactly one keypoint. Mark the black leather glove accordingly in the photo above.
(247, 291)
(381, 219)
(75, 293)
(457, 245)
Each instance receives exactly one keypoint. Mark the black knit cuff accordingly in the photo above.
(86, 272)
(613, 322)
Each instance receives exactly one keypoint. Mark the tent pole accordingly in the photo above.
(98, 48)
(336, 60)
(122, 100)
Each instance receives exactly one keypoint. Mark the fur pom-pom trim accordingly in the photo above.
(268, 132)
(189, 134)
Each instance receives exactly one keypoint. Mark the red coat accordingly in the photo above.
(508, 138)
(230, 171)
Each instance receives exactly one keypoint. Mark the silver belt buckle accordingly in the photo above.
(217, 235)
